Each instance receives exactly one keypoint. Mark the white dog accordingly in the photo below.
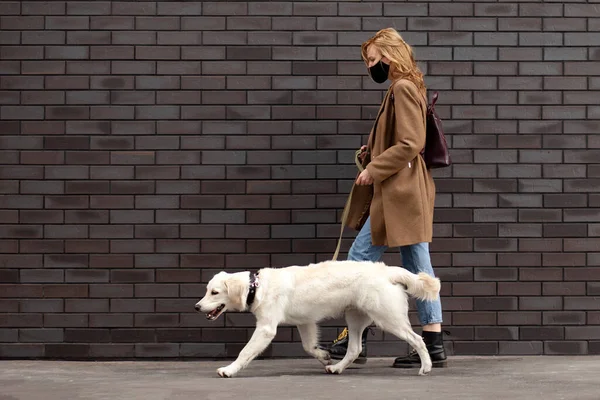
(361, 290)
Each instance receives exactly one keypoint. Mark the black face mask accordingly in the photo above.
(379, 72)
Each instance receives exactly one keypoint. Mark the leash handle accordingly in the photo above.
(360, 167)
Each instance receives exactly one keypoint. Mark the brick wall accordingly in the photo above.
(147, 145)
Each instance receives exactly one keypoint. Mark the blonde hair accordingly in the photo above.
(402, 61)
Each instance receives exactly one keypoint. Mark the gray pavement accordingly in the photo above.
(514, 378)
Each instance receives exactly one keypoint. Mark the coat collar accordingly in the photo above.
(389, 95)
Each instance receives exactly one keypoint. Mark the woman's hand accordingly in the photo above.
(363, 153)
(364, 178)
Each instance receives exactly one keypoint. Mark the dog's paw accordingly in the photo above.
(331, 369)
(324, 357)
(226, 372)
(425, 370)
(325, 362)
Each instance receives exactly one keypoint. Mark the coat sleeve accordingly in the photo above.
(409, 133)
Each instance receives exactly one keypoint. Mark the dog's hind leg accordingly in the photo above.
(402, 329)
(357, 323)
(309, 336)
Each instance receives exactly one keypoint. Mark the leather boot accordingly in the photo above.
(337, 350)
(435, 346)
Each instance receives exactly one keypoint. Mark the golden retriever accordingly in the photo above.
(362, 291)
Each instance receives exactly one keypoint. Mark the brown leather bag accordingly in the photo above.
(435, 153)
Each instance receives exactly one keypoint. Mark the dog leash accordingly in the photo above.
(347, 205)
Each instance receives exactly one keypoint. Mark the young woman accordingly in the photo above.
(393, 199)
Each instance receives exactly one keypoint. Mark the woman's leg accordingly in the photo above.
(416, 258)
(362, 248)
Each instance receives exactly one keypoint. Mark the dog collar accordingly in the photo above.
(253, 286)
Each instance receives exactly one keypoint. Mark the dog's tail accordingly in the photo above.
(421, 285)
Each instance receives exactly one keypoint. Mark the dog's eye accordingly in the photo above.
(214, 292)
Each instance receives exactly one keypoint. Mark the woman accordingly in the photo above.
(393, 199)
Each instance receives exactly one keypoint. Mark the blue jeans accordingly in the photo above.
(415, 258)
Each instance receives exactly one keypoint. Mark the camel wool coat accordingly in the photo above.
(401, 199)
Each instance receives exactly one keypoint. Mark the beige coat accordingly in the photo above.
(401, 199)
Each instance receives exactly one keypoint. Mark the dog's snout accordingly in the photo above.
(197, 307)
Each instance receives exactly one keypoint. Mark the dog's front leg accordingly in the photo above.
(263, 335)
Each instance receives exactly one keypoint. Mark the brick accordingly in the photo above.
(542, 333)
(157, 52)
(43, 68)
(565, 230)
(156, 23)
(67, 351)
(67, 22)
(22, 22)
(520, 348)
(499, 333)
(86, 305)
(520, 24)
(338, 23)
(10, 8)
(66, 320)
(474, 24)
(156, 320)
(111, 290)
(40, 335)
(495, 303)
(86, 37)
(496, 39)
(474, 318)
(87, 335)
(21, 112)
(87, 8)
(361, 9)
(16, 350)
(269, 8)
(495, 274)
(540, 245)
(496, 10)
(581, 332)
(540, 303)
(111, 320)
(433, 53)
(430, 24)
(554, 53)
(9, 335)
(471, 259)
(133, 8)
(565, 347)
(519, 289)
(41, 276)
(564, 318)
(538, 97)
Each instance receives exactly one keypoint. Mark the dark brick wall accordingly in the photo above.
(146, 145)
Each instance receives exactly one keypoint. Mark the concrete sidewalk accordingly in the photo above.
(467, 378)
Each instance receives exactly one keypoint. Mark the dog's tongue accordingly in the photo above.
(213, 313)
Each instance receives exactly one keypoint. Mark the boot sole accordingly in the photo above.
(434, 364)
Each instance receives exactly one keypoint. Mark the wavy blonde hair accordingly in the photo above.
(403, 65)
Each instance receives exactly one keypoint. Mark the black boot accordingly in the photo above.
(337, 350)
(435, 346)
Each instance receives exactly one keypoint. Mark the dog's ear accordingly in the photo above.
(235, 292)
